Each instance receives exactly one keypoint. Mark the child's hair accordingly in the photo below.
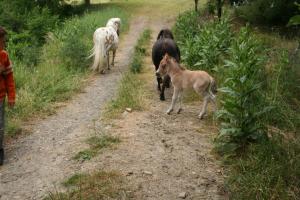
(2, 32)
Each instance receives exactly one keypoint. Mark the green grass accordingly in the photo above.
(130, 92)
(98, 185)
(268, 171)
(140, 52)
(63, 66)
(96, 143)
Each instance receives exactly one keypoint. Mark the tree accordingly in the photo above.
(219, 6)
(296, 19)
(196, 5)
(87, 2)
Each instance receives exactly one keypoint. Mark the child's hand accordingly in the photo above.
(11, 104)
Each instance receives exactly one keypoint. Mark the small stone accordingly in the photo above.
(129, 109)
(148, 173)
(182, 195)
(125, 113)
(129, 173)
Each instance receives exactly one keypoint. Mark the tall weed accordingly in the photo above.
(243, 108)
(203, 46)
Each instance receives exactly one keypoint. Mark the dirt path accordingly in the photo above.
(161, 156)
(37, 162)
(164, 157)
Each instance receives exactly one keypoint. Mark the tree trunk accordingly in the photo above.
(87, 2)
(196, 5)
(219, 9)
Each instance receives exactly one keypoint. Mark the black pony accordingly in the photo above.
(164, 44)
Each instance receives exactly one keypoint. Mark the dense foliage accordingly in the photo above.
(269, 12)
(258, 102)
(28, 22)
(202, 44)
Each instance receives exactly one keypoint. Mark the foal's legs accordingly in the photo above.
(204, 106)
(180, 102)
(166, 82)
(174, 99)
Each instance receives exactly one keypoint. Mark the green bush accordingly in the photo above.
(187, 25)
(203, 46)
(269, 12)
(242, 104)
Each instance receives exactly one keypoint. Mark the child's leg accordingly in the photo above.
(1, 131)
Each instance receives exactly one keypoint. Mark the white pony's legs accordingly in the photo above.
(113, 59)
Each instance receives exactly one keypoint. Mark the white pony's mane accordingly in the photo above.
(115, 23)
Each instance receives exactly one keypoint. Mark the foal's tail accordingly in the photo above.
(212, 87)
(98, 53)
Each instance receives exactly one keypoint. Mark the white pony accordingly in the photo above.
(106, 39)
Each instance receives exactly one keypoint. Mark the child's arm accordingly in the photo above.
(10, 85)
(9, 82)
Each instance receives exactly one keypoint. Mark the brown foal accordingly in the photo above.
(182, 78)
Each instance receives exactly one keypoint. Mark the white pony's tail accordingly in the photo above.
(98, 53)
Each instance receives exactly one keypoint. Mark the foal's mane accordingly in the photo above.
(176, 63)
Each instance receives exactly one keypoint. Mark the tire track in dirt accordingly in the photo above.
(40, 161)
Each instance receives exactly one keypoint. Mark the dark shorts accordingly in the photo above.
(1, 123)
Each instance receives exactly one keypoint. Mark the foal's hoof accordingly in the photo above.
(169, 111)
(179, 110)
(201, 116)
(162, 98)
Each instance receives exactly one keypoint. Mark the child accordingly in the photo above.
(7, 87)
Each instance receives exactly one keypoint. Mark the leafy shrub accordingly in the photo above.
(242, 102)
(187, 25)
(203, 48)
(269, 12)
(75, 52)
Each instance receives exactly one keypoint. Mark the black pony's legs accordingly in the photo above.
(166, 83)
(159, 81)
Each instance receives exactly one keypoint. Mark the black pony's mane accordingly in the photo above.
(165, 33)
